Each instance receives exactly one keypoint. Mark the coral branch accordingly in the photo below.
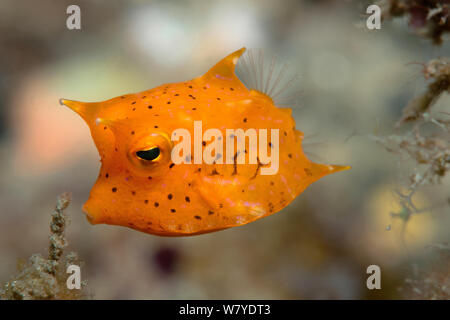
(439, 71)
(42, 278)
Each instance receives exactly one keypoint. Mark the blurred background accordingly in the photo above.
(353, 83)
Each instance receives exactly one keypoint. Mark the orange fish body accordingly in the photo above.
(139, 186)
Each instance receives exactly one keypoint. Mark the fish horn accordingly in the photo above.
(86, 110)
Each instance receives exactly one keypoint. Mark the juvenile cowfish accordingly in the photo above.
(141, 187)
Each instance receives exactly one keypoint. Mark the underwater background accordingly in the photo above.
(353, 85)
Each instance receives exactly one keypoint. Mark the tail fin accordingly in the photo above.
(320, 170)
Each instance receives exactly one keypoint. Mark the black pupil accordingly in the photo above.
(149, 155)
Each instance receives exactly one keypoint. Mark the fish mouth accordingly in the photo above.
(92, 215)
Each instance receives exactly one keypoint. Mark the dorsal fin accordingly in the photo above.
(265, 74)
(225, 68)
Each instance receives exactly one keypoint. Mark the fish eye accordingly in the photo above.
(150, 154)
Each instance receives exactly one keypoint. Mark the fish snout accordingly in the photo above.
(93, 213)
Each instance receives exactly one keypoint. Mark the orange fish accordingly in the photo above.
(141, 187)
